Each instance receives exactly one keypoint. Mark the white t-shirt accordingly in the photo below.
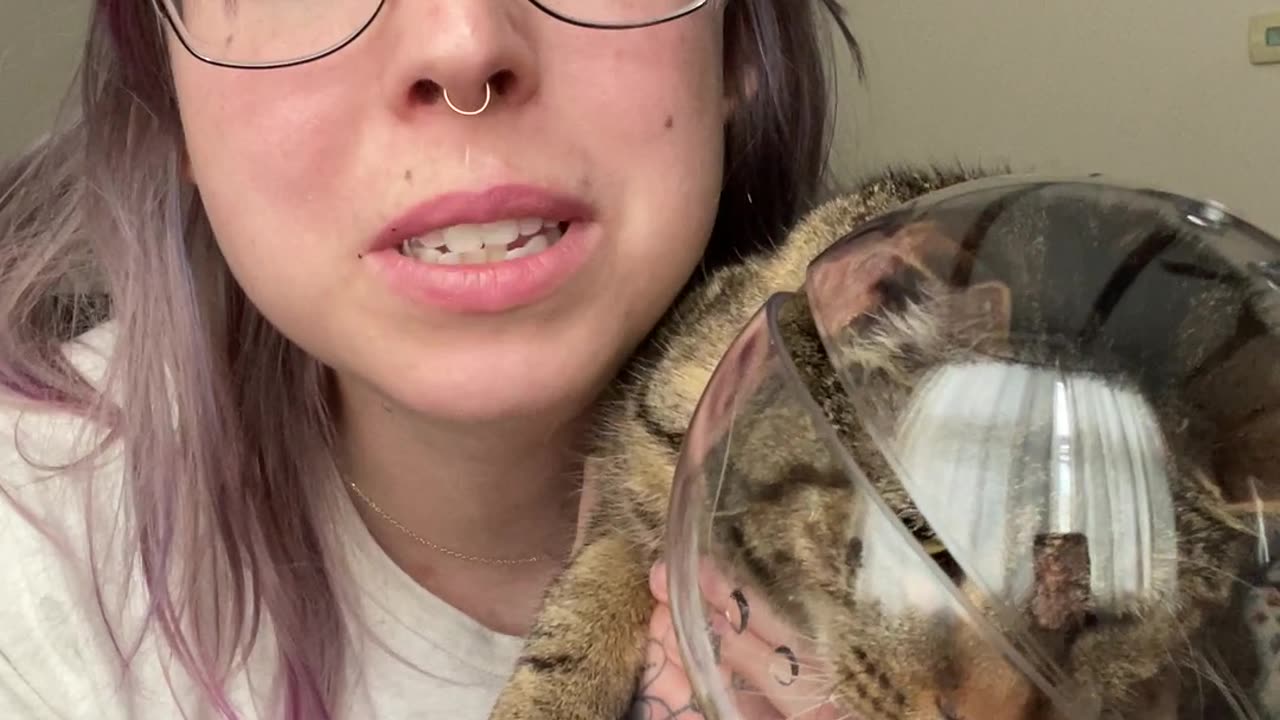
(413, 655)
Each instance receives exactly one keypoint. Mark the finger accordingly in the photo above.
(793, 684)
(740, 615)
(750, 706)
(658, 582)
(664, 690)
(763, 674)
(743, 606)
(745, 609)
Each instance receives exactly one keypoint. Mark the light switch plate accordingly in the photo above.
(1264, 39)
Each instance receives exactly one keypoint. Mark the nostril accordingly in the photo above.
(502, 81)
(425, 91)
(947, 711)
(428, 92)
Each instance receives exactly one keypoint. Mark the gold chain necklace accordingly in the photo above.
(438, 548)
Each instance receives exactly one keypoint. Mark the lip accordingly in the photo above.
(486, 287)
(503, 202)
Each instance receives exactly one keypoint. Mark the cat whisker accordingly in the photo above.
(850, 715)
(724, 469)
(1206, 668)
(1191, 665)
(1201, 564)
(1234, 692)
(814, 670)
(823, 701)
(818, 700)
(806, 637)
(838, 699)
(809, 670)
(795, 696)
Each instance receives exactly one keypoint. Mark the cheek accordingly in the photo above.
(266, 155)
(663, 93)
(656, 116)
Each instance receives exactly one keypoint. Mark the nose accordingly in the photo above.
(946, 711)
(457, 47)
(1016, 705)
(980, 684)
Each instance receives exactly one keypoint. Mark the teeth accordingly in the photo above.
(464, 238)
(487, 243)
(536, 244)
(429, 254)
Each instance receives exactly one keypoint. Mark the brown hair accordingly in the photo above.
(779, 143)
(101, 201)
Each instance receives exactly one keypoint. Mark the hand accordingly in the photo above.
(763, 664)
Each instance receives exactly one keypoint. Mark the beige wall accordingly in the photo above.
(1157, 90)
(1153, 90)
(39, 43)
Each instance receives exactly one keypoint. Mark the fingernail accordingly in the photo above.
(744, 610)
(791, 671)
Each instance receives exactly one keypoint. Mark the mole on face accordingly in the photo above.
(408, 176)
(671, 121)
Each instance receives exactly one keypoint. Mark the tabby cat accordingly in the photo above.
(586, 650)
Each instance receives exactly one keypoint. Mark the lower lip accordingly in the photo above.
(488, 287)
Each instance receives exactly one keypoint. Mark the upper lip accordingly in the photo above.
(501, 202)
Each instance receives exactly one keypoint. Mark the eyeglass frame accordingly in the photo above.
(176, 25)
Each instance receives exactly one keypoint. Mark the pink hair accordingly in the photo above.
(225, 489)
(222, 489)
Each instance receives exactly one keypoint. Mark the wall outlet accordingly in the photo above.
(1264, 39)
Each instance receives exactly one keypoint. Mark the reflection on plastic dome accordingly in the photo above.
(1009, 453)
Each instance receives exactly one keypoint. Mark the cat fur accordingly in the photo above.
(585, 652)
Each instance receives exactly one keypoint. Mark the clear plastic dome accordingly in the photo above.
(1008, 453)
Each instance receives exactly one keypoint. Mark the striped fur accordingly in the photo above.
(788, 527)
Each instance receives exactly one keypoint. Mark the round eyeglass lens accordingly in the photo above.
(618, 13)
(267, 32)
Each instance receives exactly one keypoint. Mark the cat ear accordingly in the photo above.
(884, 267)
(1247, 464)
(981, 314)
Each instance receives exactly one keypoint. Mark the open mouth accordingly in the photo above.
(486, 243)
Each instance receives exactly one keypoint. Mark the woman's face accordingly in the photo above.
(313, 177)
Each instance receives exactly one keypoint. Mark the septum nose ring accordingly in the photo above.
(488, 95)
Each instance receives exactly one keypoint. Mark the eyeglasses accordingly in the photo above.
(279, 33)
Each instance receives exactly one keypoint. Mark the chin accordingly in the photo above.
(499, 404)
(550, 368)
(498, 392)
